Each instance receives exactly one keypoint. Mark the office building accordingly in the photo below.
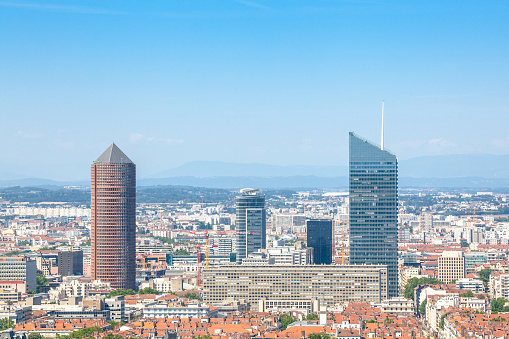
(474, 258)
(451, 266)
(330, 284)
(70, 263)
(16, 269)
(320, 238)
(250, 222)
(113, 210)
(374, 208)
(225, 246)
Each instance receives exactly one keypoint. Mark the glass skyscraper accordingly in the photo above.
(374, 208)
(319, 237)
(250, 222)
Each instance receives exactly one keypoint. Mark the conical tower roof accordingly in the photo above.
(113, 155)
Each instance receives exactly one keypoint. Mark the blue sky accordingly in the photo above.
(277, 82)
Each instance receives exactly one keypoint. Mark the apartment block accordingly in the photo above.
(330, 284)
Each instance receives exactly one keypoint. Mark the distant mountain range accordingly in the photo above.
(203, 169)
(462, 170)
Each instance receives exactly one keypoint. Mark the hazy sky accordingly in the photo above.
(277, 82)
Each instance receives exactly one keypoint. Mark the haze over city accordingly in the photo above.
(272, 82)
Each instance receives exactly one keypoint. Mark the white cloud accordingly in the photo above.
(27, 135)
(501, 143)
(441, 143)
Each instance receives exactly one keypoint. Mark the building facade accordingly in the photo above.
(250, 223)
(113, 206)
(70, 263)
(451, 266)
(330, 284)
(19, 269)
(374, 208)
(320, 238)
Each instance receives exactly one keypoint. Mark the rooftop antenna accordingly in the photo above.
(382, 144)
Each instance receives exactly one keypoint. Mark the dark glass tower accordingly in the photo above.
(319, 233)
(374, 208)
(250, 223)
(113, 232)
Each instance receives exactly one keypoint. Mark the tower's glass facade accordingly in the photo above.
(374, 208)
(250, 223)
(319, 237)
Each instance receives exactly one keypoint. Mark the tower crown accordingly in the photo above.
(113, 155)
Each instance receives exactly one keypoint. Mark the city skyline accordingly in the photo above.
(195, 76)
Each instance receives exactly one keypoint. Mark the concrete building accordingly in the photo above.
(499, 286)
(165, 284)
(289, 222)
(19, 269)
(398, 306)
(169, 310)
(113, 231)
(330, 284)
(451, 266)
(474, 285)
(116, 306)
(305, 306)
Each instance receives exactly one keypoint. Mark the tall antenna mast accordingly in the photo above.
(382, 144)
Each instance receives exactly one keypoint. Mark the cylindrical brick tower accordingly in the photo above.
(113, 205)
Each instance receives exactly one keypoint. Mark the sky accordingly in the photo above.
(275, 82)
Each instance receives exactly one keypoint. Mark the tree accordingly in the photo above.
(412, 283)
(319, 336)
(285, 320)
(121, 292)
(422, 308)
(114, 323)
(468, 294)
(190, 295)
(41, 281)
(484, 275)
(498, 305)
(204, 337)
(82, 333)
(6, 323)
(148, 290)
(464, 243)
(312, 316)
(113, 336)
(182, 252)
(35, 335)
(442, 321)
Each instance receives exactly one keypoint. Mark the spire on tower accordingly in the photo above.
(382, 143)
